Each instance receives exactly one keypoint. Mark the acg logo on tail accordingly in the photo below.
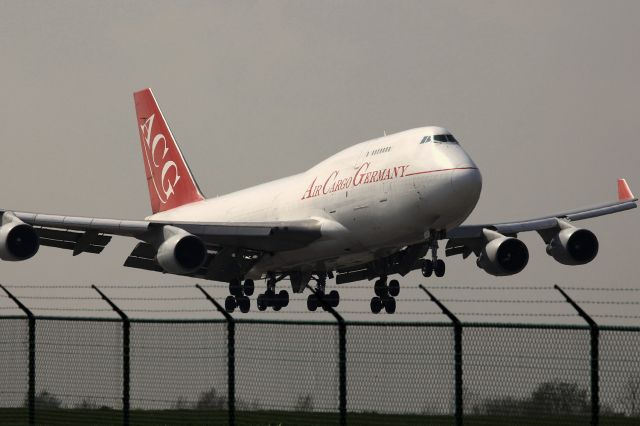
(156, 151)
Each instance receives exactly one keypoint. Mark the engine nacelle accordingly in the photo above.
(181, 253)
(503, 256)
(18, 241)
(573, 246)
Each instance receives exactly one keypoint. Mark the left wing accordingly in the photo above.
(566, 243)
(217, 247)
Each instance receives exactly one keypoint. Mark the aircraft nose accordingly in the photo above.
(467, 182)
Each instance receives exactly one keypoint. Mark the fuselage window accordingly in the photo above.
(380, 150)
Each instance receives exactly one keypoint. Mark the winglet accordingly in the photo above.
(624, 193)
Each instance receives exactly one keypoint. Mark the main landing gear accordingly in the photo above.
(239, 295)
(332, 299)
(385, 295)
(433, 265)
(272, 299)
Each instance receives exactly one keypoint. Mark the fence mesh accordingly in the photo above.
(288, 373)
(14, 360)
(398, 373)
(179, 373)
(527, 376)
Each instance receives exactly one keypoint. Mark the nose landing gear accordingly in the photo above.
(433, 265)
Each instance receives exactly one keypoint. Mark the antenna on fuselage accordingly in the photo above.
(384, 132)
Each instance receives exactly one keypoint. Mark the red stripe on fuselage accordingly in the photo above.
(440, 170)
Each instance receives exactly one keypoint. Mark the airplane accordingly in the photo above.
(370, 212)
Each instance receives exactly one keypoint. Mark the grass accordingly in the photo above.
(103, 417)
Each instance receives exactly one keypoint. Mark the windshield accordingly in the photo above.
(444, 138)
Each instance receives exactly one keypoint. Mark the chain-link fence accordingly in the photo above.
(104, 371)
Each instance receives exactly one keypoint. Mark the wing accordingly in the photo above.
(467, 238)
(230, 247)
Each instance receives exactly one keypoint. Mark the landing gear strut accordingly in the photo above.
(272, 299)
(332, 299)
(238, 297)
(429, 266)
(385, 295)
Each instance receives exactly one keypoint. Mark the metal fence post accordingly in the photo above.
(126, 366)
(31, 393)
(457, 349)
(231, 354)
(595, 358)
(342, 355)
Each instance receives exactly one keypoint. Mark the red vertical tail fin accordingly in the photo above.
(170, 181)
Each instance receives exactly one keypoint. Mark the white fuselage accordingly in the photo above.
(372, 199)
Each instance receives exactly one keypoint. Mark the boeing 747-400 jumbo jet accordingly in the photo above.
(370, 212)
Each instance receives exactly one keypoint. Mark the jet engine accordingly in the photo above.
(502, 255)
(573, 246)
(18, 241)
(181, 252)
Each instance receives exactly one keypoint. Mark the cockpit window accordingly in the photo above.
(426, 139)
(444, 138)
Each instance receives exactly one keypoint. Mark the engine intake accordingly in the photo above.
(181, 252)
(18, 241)
(502, 256)
(573, 246)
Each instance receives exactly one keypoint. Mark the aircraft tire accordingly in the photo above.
(333, 298)
(394, 288)
(244, 304)
(427, 268)
(389, 305)
(249, 287)
(380, 288)
(312, 303)
(440, 268)
(283, 298)
(376, 305)
(262, 306)
(230, 304)
(235, 288)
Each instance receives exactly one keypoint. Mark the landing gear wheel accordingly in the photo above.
(427, 268)
(394, 288)
(248, 287)
(333, 298)
(262, 306)
(439, 268)
(376, 305)
(312, 303)
(389, 305)
(283, 298)
(235, 289)
(230, 304)
(270, 298)
(380, 288)
(244, 304)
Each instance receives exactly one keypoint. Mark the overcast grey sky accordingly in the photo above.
(543, 95)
